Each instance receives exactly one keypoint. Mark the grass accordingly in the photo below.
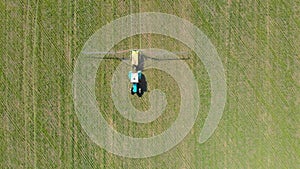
(257, 43)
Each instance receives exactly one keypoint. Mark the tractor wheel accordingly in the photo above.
(131, 91)
(140, 92)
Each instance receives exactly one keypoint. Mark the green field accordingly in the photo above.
(258, 43)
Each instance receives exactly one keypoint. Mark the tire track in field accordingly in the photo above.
(4, 103)
(73, 134)
(37, 89)
(187, 145)
(24, 86)
(34, 56)
(27, 89)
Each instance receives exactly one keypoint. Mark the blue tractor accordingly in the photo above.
(135, 78)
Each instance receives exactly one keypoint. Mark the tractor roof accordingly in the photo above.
(134, 78)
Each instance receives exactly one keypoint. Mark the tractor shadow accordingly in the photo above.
(143, 85)
(141, 65)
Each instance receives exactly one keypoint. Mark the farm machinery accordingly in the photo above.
(135, 75)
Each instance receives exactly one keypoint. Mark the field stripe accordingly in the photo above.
(24, 85)
(5, 161)
(34, 56)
